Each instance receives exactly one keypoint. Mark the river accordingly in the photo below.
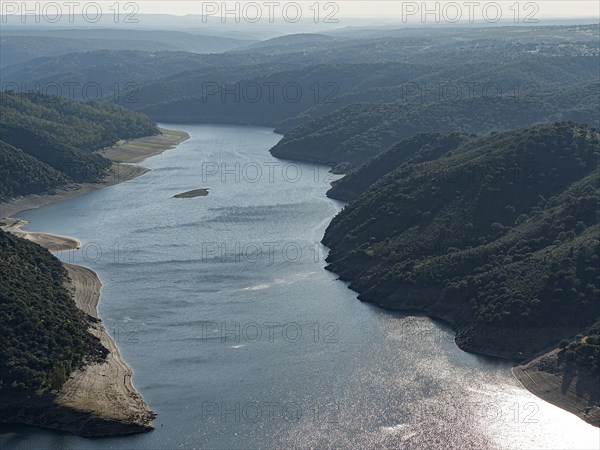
(239, 338)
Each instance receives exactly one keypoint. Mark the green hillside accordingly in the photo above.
(500, 233)
(22, 174)
(584, 350)
(77, 165)
(44, 336)
(420, 148)
(371, 66)
(49, 141)
(88, 126)
(352, 135)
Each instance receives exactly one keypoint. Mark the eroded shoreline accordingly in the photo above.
(120, 154)
(99, 399)
(544, 377)
(140, 149)
(51, 242)
(537, 378)
(104, 390)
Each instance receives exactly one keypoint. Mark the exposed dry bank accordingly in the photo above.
(52, 242)
(547, 377)
(137, 150)
(98, 399)
(132, 151)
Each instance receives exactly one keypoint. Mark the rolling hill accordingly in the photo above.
(21, 45)
(49, 141)
(498, 236)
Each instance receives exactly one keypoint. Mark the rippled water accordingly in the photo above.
(239, 338)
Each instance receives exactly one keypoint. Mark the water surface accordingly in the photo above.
(239, 338)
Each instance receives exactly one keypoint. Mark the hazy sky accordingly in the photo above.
(392, 8)
(311, 15)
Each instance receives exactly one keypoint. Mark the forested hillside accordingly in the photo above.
(77, 165)
(352, 135)
(48, 141)
(288, 95)
(44, 336)
(420, 148)
(89, 126)
(584, 350)
(500, 233)
(22, 174)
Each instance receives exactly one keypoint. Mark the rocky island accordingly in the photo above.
(192, 194)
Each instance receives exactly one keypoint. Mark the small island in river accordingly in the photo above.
(193, 193)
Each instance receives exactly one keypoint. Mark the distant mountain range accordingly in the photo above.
(20, 45)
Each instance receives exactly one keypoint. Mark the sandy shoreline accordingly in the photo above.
(102, 390)
(52, 242)
(119, 172)
(545, 380)
(137, 150)
(542, 376)
(98, 399)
